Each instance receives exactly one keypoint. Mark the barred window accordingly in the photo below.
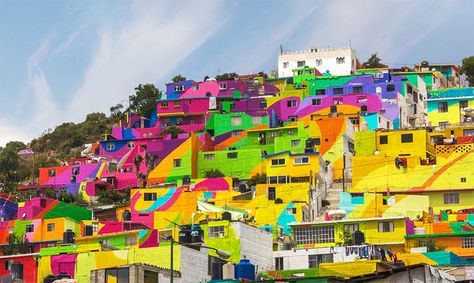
(209, 156)
(451, 198)
(149, 196)
(301, 160)
(130, 240)
(468, 242)
(280, 161)
(351, 227)
(216, 232)
(314, 234)
(387, 226)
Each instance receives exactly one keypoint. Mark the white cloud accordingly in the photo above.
(145, 48)
(45, 112)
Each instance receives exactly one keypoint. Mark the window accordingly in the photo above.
(110, 146)
(178, 87)
(468, 133)
(337, 101)
(10, 230)
(468, 242)
(280, 161)
(351, 227)
(211, 156)
(291, 210)
(442, 107)
(378, 75)
(350, 147)
(51, 173)
(75, 170)
(383, 139)
(463, 104)
(216, 232)
(316, 101)
(463, 179)
(337, 90)
(29, 228)
(387, 226)
(291, 103)
(271, 193)
(301, 160)
(222, 86)
(117, 275)
(313, 261)
(320, 92)
(443, 125)
(263, 103)
(256, 120)
(313, 234)
(451, 198)
(176, 162)
(300, 64)
(317, 141)
(236, 133)
(390, 87)
(357, 89)
(196, 87)
(51, 227)
(95, 226)
(406, 138)
(236, 121)
(164, 104)
(279, 263)
(319, 62)
(285, 65)
(149, 196)
(130, 240)
(295, 143)
(232, 155)
(292, 118)
(340, 60)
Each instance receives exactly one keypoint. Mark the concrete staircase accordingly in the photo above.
(333, 197)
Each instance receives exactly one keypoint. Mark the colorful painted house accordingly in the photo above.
(453, 106)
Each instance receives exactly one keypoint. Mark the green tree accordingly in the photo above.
(467, 68)
(178, 78)
(227, 76)
(173, 131)
(213, 173)
(143, 102)
(116, 110)
(374, 62)
(10, 165)
(257, 179)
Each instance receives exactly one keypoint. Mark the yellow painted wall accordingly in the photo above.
(395, 147)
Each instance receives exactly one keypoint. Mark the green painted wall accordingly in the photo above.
(239, 167)
(325, 81)
(364, 143)
(221, 123)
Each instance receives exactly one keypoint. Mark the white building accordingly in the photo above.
(338, 61)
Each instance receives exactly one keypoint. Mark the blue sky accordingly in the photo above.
(60, 60)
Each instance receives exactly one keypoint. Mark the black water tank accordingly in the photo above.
(63, 275)
(88, 230)
(69, 237)
(49, 279)
(186, 180)
(333, 109)
(126, 215)
(16, 270)
(197, 235)
(226, 216)
(358, 237)
(184, 236)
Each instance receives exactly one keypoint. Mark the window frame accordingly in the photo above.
(177, 163)
(150, 196)
(451, 198)
(406, 138)
(216, 232)
(383, 139)
(443, 107)
(382, 228)
(279, 162)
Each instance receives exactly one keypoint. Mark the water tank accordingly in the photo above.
(49, 279)
(197, 235)
(69, 237)
(186, 181)
(245, 270)
(88, 231)
(358, 237)
(228, 271)
(126, 215)
(226, 216)
(184, 236)
(16, 270)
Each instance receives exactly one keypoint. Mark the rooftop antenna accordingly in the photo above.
(281, 49)
(350, 45)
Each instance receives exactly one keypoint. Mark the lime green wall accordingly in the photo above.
(221, 123)
(229, 243)
(240, 167)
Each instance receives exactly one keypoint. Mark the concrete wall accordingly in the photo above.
(194, 265)
(256, 245)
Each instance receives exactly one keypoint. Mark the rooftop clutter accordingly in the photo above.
(309, 171)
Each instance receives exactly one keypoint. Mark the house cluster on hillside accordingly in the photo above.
(328, 171)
